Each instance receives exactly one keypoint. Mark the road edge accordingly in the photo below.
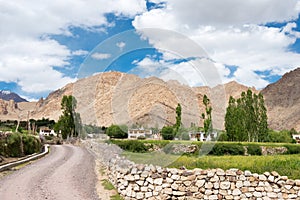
(19, 162)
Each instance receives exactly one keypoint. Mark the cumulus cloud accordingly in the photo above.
(80, 53)
(29, 57)
(101, 56)
(121, 45)
(195, 72)
(231, 32)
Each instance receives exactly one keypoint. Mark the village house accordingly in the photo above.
(200, 136)
(140, 133)
(296, 137)
(46, 131)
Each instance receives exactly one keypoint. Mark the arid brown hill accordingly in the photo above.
(119, 98)
(283, 102)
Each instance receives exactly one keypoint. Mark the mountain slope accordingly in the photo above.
(283, 102)
(119, 98)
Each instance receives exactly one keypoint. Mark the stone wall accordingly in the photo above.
(135, 181)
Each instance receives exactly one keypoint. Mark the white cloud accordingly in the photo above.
(101, 56)
(232, 32)
(80, 53)
(121, 45)
(27, 55)
(195, 72)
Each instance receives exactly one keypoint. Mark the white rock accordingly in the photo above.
(139, 195)
(213, 197)
(148, 194)
(178, 193)
(149, 180)
(236, 192)
(225, 185)
(158, 181)
(200, 183)
(257, 194)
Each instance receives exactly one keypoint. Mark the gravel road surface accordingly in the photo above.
(66, 173)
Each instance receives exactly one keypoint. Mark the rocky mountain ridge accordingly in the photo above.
(8, 95)
(119, 98)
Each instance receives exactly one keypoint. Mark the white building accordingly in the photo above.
(139, 133)
(45, 131)
(200, 136)
(297, 137)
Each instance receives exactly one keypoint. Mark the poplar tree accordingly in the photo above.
(207, 115)
(246, 118)
(178, 118)
(69, 122)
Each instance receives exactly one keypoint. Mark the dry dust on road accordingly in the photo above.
(67, 173)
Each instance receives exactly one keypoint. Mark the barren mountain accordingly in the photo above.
(8, 95)
(119, 98)
(283, 102)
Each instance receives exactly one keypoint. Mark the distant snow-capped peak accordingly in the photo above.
(5, 92)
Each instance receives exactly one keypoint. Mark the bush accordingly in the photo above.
(30, 144)
(223, 137)
(254, 150)
(115, 131)
(131, 145)
(12, 146)
(293, 149)
(185, 136)
(141, 137)
(227, 149)
(167, 133)
(279, 137)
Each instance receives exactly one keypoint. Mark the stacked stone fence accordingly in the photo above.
(137, 181)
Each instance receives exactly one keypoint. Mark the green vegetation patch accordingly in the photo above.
(285, 165)
(17, 145)
(107, 185)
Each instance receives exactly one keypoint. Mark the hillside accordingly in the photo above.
(119, 98)
(283, 102)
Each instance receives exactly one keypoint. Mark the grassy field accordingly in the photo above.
(285, 165)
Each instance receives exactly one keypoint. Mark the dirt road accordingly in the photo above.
(67, 173)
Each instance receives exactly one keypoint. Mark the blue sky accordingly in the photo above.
(45, 45)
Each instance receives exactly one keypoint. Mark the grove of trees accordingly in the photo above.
(246, 118)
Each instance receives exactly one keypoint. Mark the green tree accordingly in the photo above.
(69, 122)
(207, 116)
(167, 133)
(115, 131)
(178, 117)
(246, 118)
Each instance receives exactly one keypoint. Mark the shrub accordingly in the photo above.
(30, 144)
(115, 131)
(131, 145)
(12, 146)
(185, 136)
(167, 133)
(227, 149)
(223, 136)
(141, 137)
(254, 150)
(293, 149)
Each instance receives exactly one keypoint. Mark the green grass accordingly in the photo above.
(107, 185)
(116, 197)
(285, 165)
